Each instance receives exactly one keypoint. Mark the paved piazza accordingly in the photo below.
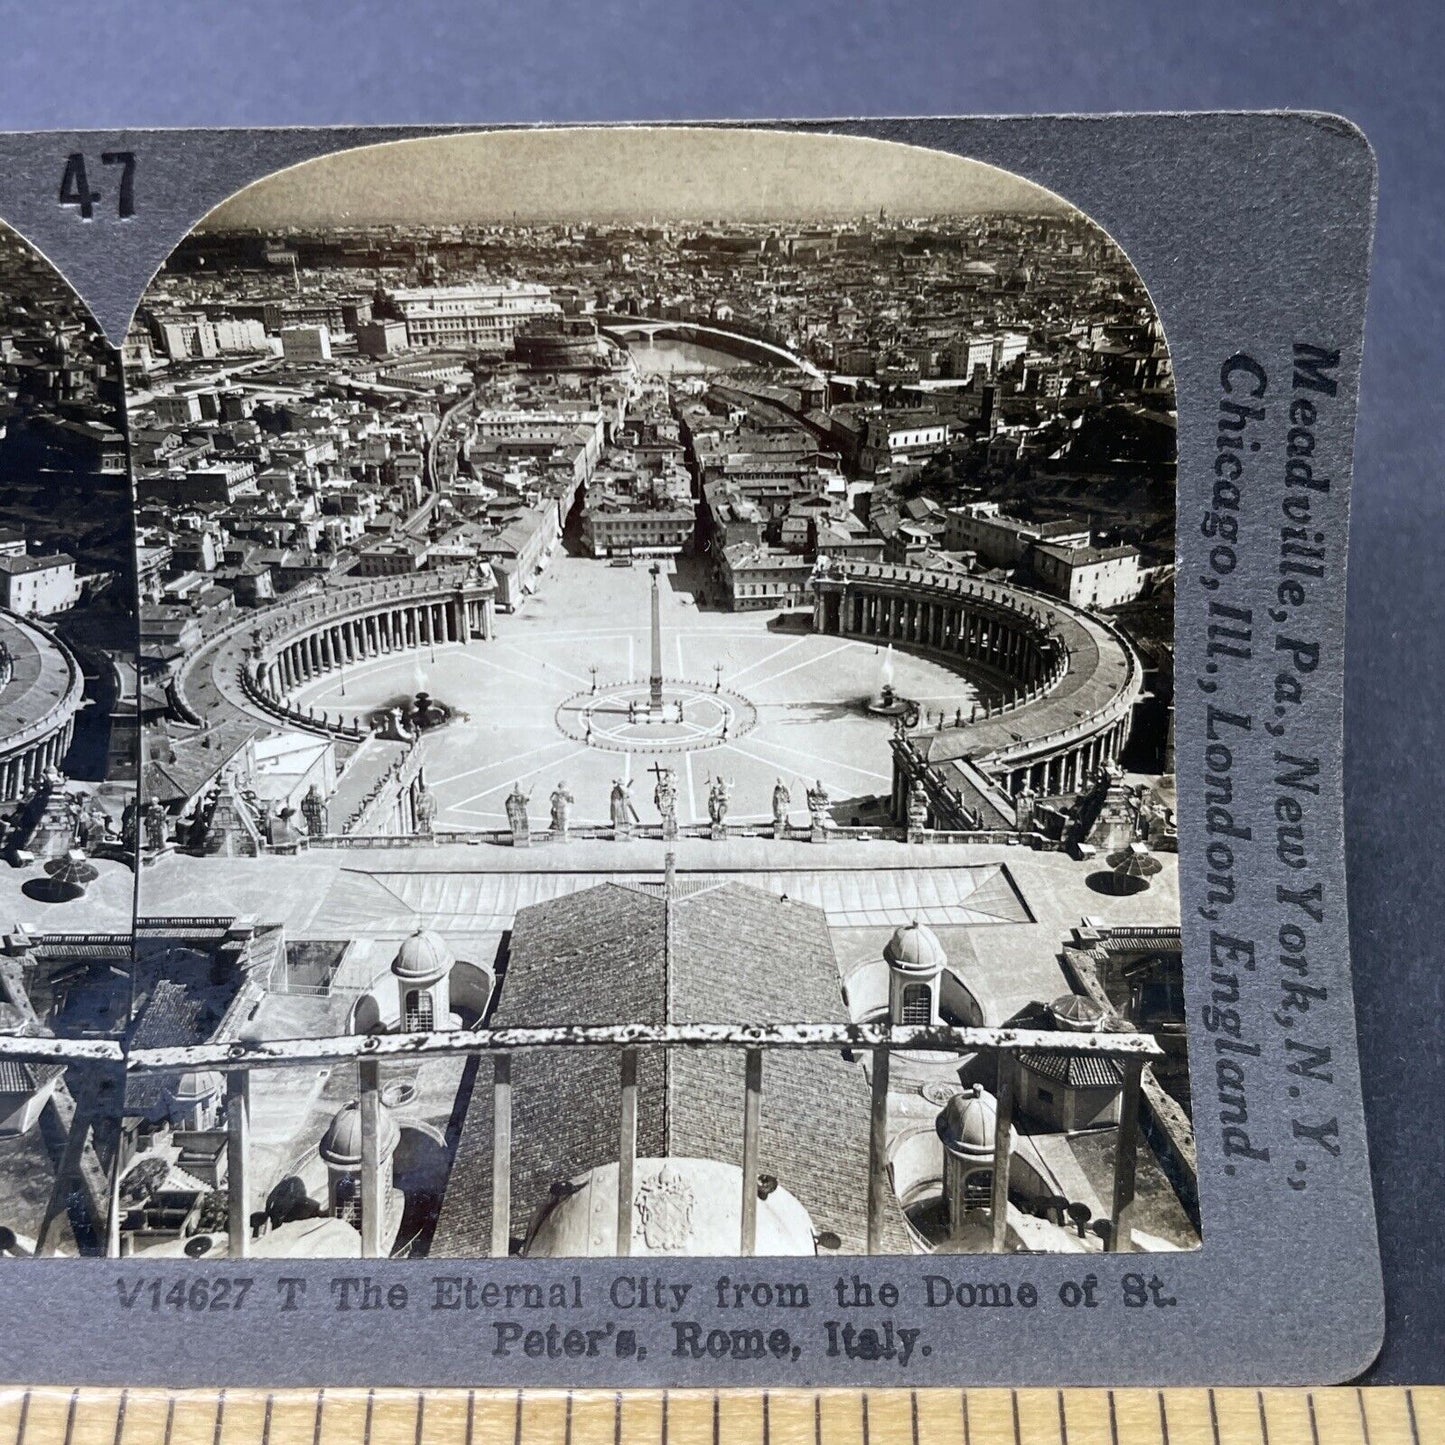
(742, 700)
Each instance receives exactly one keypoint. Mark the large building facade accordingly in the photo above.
(486, 316)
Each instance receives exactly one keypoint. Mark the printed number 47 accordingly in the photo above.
(75, 184)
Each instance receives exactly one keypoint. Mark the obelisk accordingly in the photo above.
(654, 697)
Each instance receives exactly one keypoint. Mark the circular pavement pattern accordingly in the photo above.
(620, 717)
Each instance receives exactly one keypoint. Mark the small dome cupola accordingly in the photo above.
(915, 959)
(423, 958)
(966, 1126)
(1075, 1013)
(915, 948)
(340, 1151)
(340, 1146)
(193, 1099)
(422, 969)
(194, 1085)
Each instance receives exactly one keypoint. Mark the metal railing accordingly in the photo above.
(239, 1060)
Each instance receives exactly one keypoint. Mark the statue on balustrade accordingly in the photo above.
(424, 806)
(562, 801)
(664, 795)
(315, 811)
(819, 804)
(782, 800)
(917, 811)
(621, 808)
(517, 818)
(1026, 810)
(156, 825)
(718, 796)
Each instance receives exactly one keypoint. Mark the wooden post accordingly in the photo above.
(66, 1173)
(627, 1152)
(1002, 1128)
(1126, 1158)
(878, 1186)
(112, 1219)
(501, 1156)
(238, 1161)
(752, 1122)
(372, 1208)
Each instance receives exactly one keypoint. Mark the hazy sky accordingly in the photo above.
(632, 174)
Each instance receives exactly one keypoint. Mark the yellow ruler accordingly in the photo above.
(1335, 1416)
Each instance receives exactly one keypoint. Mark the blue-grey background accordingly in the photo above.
(274, 62)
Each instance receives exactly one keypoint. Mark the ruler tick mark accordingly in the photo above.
(120, 1416)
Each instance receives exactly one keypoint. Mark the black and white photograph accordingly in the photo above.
(69, 751)
(656, 692)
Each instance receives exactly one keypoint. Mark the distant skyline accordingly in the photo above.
(628, 175)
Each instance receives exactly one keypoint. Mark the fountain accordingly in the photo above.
(415, 713)
(886, 702)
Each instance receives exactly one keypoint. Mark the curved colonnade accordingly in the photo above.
(41, 690)
(284, 647)
(1073, 678)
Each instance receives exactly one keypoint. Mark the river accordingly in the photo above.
(681, 358)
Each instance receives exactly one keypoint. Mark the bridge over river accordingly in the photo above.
(623, 329)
